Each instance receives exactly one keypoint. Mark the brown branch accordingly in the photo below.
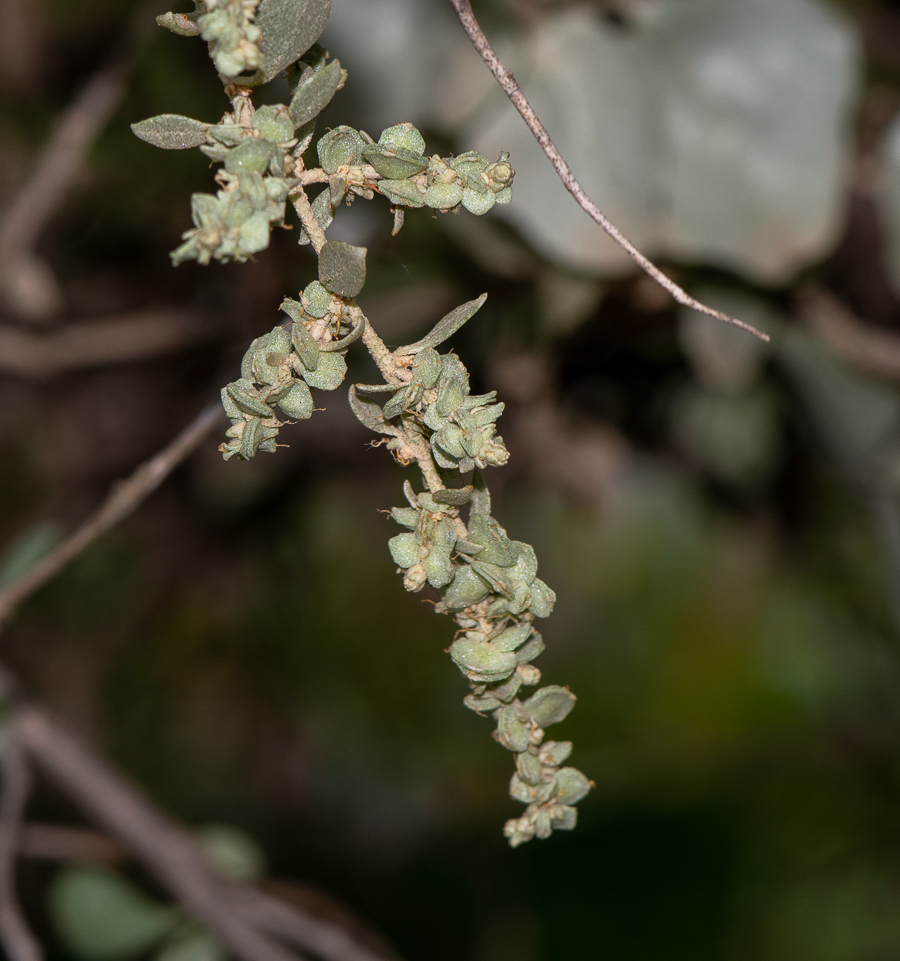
(59, 842)
(234, 912)
(123, 499)
(53, 175)
(865, 347)
(95, 343)
(19, 943)
(512, 90)
(166, 850)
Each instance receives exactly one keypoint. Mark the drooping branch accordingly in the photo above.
(512, 89)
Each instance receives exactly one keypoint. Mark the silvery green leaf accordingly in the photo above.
(525, 568)
(443, 196)
(478, 203)
(467, 547)
(329, 372)
(543, 825)
(563, 818)
(297, 402)
(466, 588)
(294, 310)
(251, 438)
(346, 341)
(512, 637)
(481, 705)
(318, 299)
(397, 404)
(494, 575)
(183, 24)
(171, 131)
(246, 398)
(556, 751)
(446, 327)
(506, 691)
(401, 192)
(273, 122)
(367, 412)
(542, 599)
(571, 786)
(99, 916)
(406, 516)
(427, 367)
(340, 146)
(437, 564)
(305, 345)
(455, 496)
(519, 789)
(289, 28)
(480, 661)
(314, 92)
(529, 767)
(512, 732)
(549, 705)
(404, 549)
(528, 652)
(498, 548)
(394, 163)
(342, 268)
(403, 136)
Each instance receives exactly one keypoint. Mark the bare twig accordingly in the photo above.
(60, 842)
(53, 175)
(511, 88)
(94, 343)
(19, 943)
(872, 350)
(166, 850)
(312, 226)
(122, 500)
(233, 911)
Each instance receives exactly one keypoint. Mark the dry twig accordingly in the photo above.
(98, 343)
(27, 281)
(511, 88)
(867, 348)
(19, 943)
(122, 500)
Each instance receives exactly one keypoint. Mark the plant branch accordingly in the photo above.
(19, 943)
(124, 498)
(312, 226)
(511, 88)
(166, 850)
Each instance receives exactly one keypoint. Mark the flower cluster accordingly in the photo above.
(233, 38)
(489, 584)
(280, 367)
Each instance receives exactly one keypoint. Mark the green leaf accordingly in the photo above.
(171, 131)
(289, 28)
(549, 705)
(314, 92)
(101, 917)
(446, 327)
(368, 413)
(342, 268)
(233, 853)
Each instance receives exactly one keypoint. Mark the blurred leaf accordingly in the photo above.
(101, 917)
(233, 852)
(30, 547)
(196, 947)
(710, 131)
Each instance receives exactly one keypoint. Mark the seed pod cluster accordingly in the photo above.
(396, 166)
(279, 369)
(233, 38)
(489, 584)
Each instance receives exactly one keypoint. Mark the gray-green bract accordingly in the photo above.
(486, 582)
